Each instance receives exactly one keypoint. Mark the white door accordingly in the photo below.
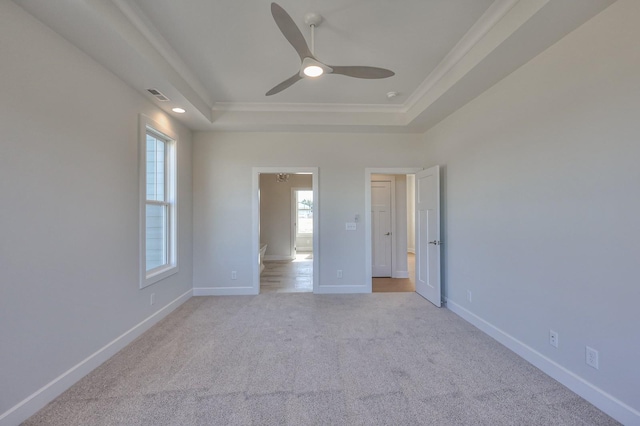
(428, 235)
(381, 229)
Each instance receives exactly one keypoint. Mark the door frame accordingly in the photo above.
(255, 219)
(368, 172)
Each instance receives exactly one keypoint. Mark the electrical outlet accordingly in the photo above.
(234, 275)
(152, 300)
(553, 338)
(592, 358)
(469, 298)
(339, 273)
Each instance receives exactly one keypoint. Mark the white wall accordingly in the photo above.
(222, 197)
(275, 212)
(541, 202)
(69, 212)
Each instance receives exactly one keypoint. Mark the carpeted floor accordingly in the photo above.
(303, 359)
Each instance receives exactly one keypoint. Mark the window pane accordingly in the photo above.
(156, 242)
(305, 212)
(155, 162)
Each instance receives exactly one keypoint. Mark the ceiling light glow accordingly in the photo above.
(179, 110)
(313, 71)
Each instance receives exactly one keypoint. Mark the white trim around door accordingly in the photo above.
(255, 220)
(367, 211)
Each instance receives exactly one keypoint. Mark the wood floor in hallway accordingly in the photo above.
(387, 285)
(288, 276)
(296, 276)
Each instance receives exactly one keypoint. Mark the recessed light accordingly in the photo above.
(179, 110)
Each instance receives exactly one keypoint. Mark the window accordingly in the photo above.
(158, 257)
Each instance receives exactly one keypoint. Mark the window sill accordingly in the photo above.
(158, 275)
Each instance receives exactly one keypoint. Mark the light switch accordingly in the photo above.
(351, 226)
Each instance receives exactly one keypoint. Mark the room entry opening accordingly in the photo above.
(285, 220)
(414, 208)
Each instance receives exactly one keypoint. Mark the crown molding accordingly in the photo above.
(307, 107)
(487, 21)
(137, 30)
(140, 21)
(494, 28)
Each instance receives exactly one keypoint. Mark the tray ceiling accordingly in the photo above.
(217, 58)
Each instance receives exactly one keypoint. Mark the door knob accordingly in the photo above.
(388, 233)
(435, 242)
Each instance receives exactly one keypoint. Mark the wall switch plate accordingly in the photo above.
(339, 273)
(234, 275)
(351, 226)
(553, 338)
(152, 299)
(592, 358)
(469, 296)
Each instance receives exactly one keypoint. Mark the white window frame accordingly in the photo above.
(147, 125)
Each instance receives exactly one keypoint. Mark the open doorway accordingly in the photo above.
(285, 222)
(389, 198)
(393, 263)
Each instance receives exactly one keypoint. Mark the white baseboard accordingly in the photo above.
(613, 407)
(30, 405)
(224, 291)
(400, 274)
(342, 289)
(274, 257)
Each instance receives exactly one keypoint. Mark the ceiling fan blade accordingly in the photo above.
(290, 31)
(288, 82)
(362, 72)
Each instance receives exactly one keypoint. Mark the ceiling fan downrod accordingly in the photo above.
(313, 19)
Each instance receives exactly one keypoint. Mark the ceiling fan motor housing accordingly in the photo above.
(312, 19)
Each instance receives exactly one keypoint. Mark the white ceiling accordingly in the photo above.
(237, 51)
(218, 58)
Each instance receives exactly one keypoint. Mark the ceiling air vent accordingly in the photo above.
(159, 96)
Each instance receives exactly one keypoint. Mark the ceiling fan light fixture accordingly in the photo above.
(313, 71)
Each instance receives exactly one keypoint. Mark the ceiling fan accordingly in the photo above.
(310, 66)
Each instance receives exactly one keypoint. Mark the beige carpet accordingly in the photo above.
(305, 359)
